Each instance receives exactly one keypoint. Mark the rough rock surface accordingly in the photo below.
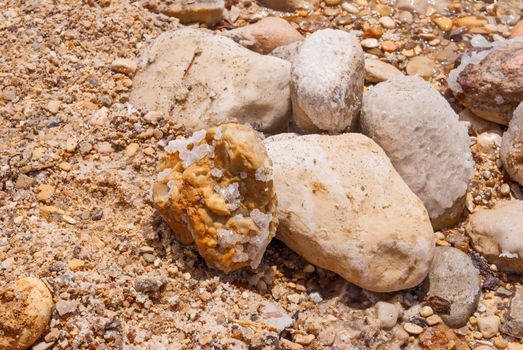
(428, 146)
(514, 324)
(512, 146)
(216, 188)
(343, 207)
(189, 11)
(327, 82)
(377, 71)
(25, 309)
(265, 35)
(287, 52)
(490, 82)
(497, 234)
(454, 278)
(202, 80)
(290, 5)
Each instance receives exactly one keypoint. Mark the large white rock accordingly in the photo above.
(512, 146)
(497, 234)
(202, 80)
(327, 81)
(343, 207)
(427, 144)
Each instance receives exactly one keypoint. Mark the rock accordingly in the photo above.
(440, 337)
(64, 307)
(45, 192)
(377, 71)
(433, 320)
(370, 43)
(428, 146)
(514, 323)
(497, 234)
(287, 52)
(412, 328)
(327, 82)
(189, 11)
(124, 66)
(387, 313)
(273, 315)
(426, 311)
(454, 278)
(511, 152)
(490, 82)
(517, 30)
(202, 80)
(26, 307)
(290, 5)
(219, 194)
(487, 143)
(265, 35)
(53, 106)
(422, 66)
(489, 325)
(343, 207)
(421, 6)
(478, 125)
(23, 181)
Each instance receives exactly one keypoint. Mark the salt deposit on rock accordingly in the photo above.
(512, 146)
(490, 82)
(265, 35)
(454, 278)
(202, 80)
(215, 188)
(327, 82)
(290, 5)
(497, 234)
(25, 311)
(343, 207)
(428, 146)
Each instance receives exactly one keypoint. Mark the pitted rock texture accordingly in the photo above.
(511, 151)
(327, 79)
(429, 147)
(25, 311)
(343, 207)
(189, 11)
(490, 82)
(202, 80)
(215, 189)
(454, 277)
(497, 234)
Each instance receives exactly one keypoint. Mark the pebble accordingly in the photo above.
(304, 339)
(412, 328)
(45, 192)
(387, 22)
(444, 23)
(389, 46)
(426, 311)
(387, 313)
(76, 264)
(370, 43)
(124, 66)
(64, 307)
(53, 106)
(377, 71)
(422, 66)
(488, 326)
(350, 8)
(23, 181)
(433, 320)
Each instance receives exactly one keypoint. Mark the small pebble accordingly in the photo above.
(370, 43)
(433, 320)
(426, 311)
(412, 328)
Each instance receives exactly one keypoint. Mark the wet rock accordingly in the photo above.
(265, 35)
(377, 71)
(490, 82)
(327, 79)
(511, 152)
(428, 146)
(497, 234)
(25, 309)
(290, 5)
(189, 11)
(421, 6)
(454, 278)
(422, 66)
(201, 80)
(215, 188)
(343, 207)
(514, 324)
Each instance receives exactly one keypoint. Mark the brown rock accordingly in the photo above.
(265, 35)
(514, 324)
(441, 337)
(189, 11)
(517, 30)
(511, 152)
(290, 5)
(422, 66)
(25, 309)
(216, 189)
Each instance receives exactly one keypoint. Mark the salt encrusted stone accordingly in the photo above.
(512, 146)
(497, 234)
(25, 311)
(201, 80)
(429, 147)
(215, 189)
(327, 79)
(490, 82)
(343, 207)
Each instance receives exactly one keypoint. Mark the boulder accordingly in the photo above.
(511, 152)
(189, 11)
(202, 80)
(490, 82)
(497, 234)
(327, 79)
(343, 207)
(265, 35)
(215, 188)
(25, 309)
(429, 147)
(290, 5)
(454, 277)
